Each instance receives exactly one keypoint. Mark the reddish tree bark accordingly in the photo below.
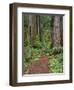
(57, 32)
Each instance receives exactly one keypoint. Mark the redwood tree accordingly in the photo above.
(57, 31)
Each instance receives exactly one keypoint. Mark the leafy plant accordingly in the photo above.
(37, 43)
(56, 63)
(27, 53)
(36, 53)
(56, 50)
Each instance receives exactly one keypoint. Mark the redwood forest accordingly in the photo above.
(43, 43)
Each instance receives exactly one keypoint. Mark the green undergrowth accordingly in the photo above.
(55, 55)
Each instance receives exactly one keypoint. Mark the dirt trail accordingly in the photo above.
(40, 66)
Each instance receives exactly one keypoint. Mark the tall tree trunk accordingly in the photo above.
(61, 27)
(56, 31)
(32, 27)
(39, 29)
(41, 32)
(38, 23)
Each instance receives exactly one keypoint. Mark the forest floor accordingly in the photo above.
(46, 64)
(49, 63)
(39, 66)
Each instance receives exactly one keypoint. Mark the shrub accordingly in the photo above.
(56, 63)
